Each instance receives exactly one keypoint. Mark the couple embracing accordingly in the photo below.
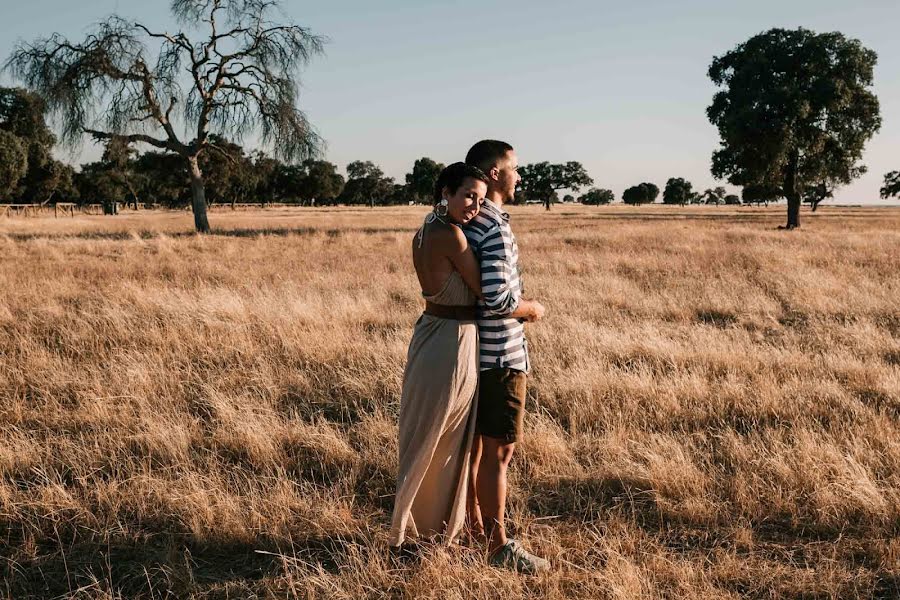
(463, 395)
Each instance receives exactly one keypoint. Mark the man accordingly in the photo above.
(503, 355)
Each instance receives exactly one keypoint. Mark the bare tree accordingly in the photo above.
(241, 77)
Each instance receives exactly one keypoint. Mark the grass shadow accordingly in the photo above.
(243, 232)
(164, 566)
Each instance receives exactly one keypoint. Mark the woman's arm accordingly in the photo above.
(463, 259)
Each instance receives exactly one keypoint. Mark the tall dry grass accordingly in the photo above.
(713, 411)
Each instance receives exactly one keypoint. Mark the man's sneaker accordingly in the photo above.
(514, 556)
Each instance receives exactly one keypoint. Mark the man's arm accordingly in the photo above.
(501, 297)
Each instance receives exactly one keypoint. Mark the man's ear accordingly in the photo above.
(494, 173)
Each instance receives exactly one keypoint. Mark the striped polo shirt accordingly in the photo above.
(501, 339)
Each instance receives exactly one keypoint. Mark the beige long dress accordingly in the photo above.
(437, 422)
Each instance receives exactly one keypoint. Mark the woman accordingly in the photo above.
(437, 412)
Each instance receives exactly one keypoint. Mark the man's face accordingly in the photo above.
(507, 177)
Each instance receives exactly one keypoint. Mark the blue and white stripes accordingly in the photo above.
(501, 339)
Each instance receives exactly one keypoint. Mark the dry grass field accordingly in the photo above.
(714, 410)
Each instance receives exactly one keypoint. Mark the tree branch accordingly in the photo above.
(132, 138)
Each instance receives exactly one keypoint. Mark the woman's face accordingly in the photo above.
(464, 204)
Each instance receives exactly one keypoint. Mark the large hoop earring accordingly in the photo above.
(441, 208)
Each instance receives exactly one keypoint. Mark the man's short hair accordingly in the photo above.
(487, 153)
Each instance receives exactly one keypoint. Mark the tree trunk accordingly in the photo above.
(793, 220)
(547, 201)
(198, 196)
(791, 192)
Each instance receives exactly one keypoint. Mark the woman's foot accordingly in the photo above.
(405, 553)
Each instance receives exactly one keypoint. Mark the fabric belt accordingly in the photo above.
(445, 311)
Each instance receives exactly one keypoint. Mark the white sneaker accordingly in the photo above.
(513, 556)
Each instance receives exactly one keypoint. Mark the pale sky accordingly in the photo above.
(619, 86)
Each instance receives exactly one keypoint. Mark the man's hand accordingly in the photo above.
(537, 311)
(529, 311)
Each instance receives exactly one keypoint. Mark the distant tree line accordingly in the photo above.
(794, 110)
(231, 69)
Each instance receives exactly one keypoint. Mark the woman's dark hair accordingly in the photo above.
(453, 176)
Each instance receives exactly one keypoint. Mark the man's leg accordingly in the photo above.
(491, 487)
(501, 404)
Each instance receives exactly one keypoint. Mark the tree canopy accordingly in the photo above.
(713, 195)
(597, 196)
(22, 116)
(644, 193)
(891, 185)
(322, 183)
(759, 194)
(795, 110)
(420, 181)
(677, 191)
(13, 162)
(540, 181)
(366, 184)
(237, 75)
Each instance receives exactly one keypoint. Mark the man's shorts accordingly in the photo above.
(501, 404)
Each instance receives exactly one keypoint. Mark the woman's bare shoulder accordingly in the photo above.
(450, 237)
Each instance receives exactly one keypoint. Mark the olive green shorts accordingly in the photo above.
(501, 404)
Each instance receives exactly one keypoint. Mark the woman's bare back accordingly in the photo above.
(439, 249)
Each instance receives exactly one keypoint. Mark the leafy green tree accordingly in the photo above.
(163, 178)
(644, 193)
(66, 190)
(796, 109)
(540, 181)
(13, 163)
(366, 184)
(239, 75)
(323, 184)
(225, 170)
(289, 182)
(422, 179)
(678, 191)
(713, 195)
(22, 114)
(309, 182)
(759, 194)
(399, 194)
(891, 185)
(596, 196)
(814, 194)
(732, 200)
(98, 184)
(118, 157)
(264, 179)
